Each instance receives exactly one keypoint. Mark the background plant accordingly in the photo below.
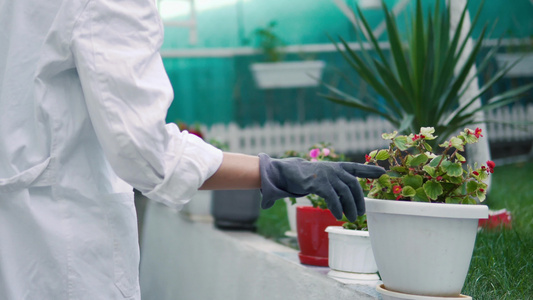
(423, 79)
(269, 42)
(359, 223)
(417, 174)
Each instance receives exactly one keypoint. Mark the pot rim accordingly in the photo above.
(442, 210)
(344, 231)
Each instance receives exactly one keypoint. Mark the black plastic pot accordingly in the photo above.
(236, 209)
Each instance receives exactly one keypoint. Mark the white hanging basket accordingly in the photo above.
(292, 74)
(524, 68)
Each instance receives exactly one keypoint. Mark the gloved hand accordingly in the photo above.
(336, 182)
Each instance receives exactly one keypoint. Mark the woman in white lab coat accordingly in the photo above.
(83, 99)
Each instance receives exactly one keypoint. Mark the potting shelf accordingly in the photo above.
(183, 259)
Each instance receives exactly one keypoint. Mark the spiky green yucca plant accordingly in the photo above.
(418, 80)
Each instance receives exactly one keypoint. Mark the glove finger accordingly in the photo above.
(346, 199)
(363, 171)
(266, 204)
(356, 192)
(332, 199)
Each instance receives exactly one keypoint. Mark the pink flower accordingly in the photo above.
(314, 159)
(478, 132)
(491, 165)
(325, 151)
(314, 153)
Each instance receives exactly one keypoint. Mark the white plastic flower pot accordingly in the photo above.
(291, 213)
(423, 248)
(350, 256)
(291, 74)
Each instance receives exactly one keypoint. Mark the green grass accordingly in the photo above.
(502, 262)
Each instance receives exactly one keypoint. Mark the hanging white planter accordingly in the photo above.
(290, 74)
(423, 248)
(369, 4)
(350, 256)
(524, 68)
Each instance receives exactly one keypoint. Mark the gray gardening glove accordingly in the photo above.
(336, 182)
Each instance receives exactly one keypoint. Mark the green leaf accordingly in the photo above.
(455, 180)
(471, 186)
(470, 200)
(460, 157)
(418, 160)
(453, 200)
(428, 147)
(389, 136)
(384, 180)
(399, 169)
(453, 169)
(401, 142)
(427, 132)
(421, 196)
(470, 138)
(433, 189)
(481, 196)
(414, 181)
(408, 191)
(430, 170)
(457, 143)
(435, 161)
(382, 155)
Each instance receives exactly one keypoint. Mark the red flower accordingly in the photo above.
(439, 178)
(482, 190)
(475, 173)
(367, 158)
(491, 165)
(397, 189)
(399, 196)
(478, 132)
(416, 137)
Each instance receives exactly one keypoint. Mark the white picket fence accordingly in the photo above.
(349, 136)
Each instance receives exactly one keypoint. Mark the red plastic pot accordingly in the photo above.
(311, 224)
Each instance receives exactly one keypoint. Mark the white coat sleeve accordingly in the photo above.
(115, 45)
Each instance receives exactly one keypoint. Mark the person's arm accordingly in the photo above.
(237, 172)
(336, 182)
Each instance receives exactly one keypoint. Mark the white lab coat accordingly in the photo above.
(83, 98)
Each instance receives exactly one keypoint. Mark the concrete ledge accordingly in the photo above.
(183, 259)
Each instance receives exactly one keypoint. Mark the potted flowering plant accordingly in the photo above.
(351, 259)
(313, 217)
(423, 239)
